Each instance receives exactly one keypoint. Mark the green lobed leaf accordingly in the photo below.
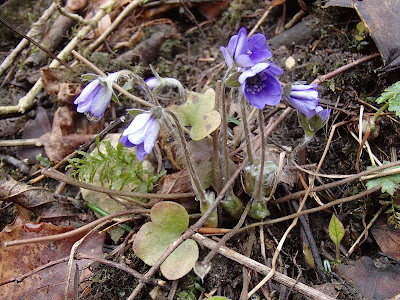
(392, 96)
(389, 183)
(168, 221)
(198, 113)
(391, 91)
(336, 230)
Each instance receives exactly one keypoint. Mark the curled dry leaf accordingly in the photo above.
(38, 200)
(49, 283)
(62, 139)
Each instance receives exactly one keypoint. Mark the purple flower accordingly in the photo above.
(153, 82)
(246, 52)
(322, 112)
(142, 133)
(260, 86)
(96, 96)
(304, 98)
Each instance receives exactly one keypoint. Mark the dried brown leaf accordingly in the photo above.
(387, 238)
(372, 278)
(50, 282)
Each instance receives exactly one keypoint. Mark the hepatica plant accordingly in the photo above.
(253, 78)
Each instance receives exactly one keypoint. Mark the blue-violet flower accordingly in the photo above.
(142, 133)
(96, 96)
(260, 86)
(323, 113)
(245, 52)
(304, 98)
(153, 82)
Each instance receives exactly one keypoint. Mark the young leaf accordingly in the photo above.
(389, 183)
(168, 221)
(392, 96)
(198, 112)
(336, 230)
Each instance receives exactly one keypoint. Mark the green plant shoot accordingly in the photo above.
(336, 233)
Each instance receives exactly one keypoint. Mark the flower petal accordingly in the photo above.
(137, 123)
(227, 56)
(100, 102)
(151, 135)
(153, 82)
(140, 153)
(241, 44)
(124, 141)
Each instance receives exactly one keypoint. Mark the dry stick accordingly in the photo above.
(44, 49)
(24, 42)
(74, 248)
(21, 278)
(121, 267)
(263, 269)
(127, 10)
(313, 210)
(74, 232)
(227, 236)
(345, 68)
(27, 101)
(364, 232)
(115, 86)
(190, 231)
(361, 176)
(21, 142)
(264, 16)
(61, 177)
(294, 222)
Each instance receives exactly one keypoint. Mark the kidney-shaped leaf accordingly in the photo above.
(168, 221)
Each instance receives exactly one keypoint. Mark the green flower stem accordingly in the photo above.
(198, 189)
(376, 115)
(103, 213)
(246, 129)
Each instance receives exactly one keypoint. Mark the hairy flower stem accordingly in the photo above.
(224, 131)
(258, 191)
(215, 135)
(198, 189)
(246, 129)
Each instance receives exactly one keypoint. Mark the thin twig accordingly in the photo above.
(61, 177)
(263, 269)
(364, 232)
(24, 42)
(27, 101)
(361, 176)
(76, 231)
(127, 10)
